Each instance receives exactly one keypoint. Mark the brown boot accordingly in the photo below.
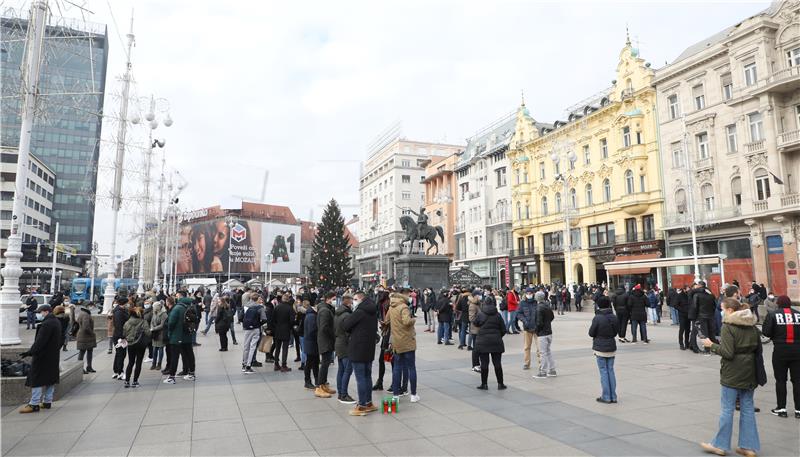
(370, 407)
(29, 409)
(327, 388)
(321, 393)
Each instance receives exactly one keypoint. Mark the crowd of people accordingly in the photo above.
(354, 328)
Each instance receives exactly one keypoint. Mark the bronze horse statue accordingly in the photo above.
(426, 233)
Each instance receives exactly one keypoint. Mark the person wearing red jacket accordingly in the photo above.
(512, 302)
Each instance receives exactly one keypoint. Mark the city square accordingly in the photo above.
(452, 227)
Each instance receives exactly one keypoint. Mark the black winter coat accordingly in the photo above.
(444, 309)
(120, 317)
(604, 330)
(310, 331)
(706, 304)
(342, 335)
(491, 330)
(363, 326)
(620, 301)
(462, 306)
(544, 316)
(46, 352)
(637, 305)
(283, 320)
(326, 335)
(682, 303)
(223, 320)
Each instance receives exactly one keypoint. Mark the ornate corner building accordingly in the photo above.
(587, 190)
(729, 113)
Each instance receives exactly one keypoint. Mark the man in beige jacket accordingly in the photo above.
(403, 342)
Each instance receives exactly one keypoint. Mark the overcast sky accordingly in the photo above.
(301, 88)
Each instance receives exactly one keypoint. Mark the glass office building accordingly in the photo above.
(66, 133)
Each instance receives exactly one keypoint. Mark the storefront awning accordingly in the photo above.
(640, 264)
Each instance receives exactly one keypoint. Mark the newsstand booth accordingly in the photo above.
(714, 281)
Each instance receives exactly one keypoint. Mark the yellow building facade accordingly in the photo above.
(598, 173)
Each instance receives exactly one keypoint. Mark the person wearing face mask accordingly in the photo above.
(44, 374)
(527, 314)
(147, 316)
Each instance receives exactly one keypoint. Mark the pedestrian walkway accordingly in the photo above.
(668, 401)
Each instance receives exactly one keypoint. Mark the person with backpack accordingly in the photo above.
(738, 350)
(223, 320)
(254, 317)
(604, 330)
(782, 325)
(137, 335)
(179, 325)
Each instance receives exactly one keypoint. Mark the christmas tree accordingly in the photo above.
(330, 257)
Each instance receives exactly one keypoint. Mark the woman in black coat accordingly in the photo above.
(637, 304)
(310, 346)
(44, 374)
(604, 329)
(489, 342)
(222, 323)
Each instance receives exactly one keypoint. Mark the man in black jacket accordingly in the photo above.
(120, 317)
(637, 307)
(32, 305)
(681, 305)
(326, 338)
(282, 321)
(44, 374)
(362, 324)
(620, 302)
(706, 307)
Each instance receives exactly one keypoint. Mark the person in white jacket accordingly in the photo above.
(212, 313)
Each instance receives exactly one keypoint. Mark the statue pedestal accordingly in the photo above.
(421, 271)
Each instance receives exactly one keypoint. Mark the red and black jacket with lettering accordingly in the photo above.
(783, 327)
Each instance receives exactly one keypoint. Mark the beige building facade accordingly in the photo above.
(440, 204)
(729, 114)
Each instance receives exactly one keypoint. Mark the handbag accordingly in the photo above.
(266, 344)
(761, 372)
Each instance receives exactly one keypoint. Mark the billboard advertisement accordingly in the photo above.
(214, 247)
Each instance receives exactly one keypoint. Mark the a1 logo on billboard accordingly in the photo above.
(239, 233)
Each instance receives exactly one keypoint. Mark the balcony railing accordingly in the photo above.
(792, 200)
(786, 139)
(498, 219)
(761, 206)
(523, 252)
(702, 164)
(499, 251)
(701, 216)
(639, 237)
(755, 146)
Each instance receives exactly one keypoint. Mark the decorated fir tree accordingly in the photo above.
(330, 257)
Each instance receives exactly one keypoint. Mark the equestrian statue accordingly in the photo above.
(420, 230)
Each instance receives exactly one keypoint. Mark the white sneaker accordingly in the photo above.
(148, 360)
(476, 369)
(414, 398)
(189, 377)
(115, 376)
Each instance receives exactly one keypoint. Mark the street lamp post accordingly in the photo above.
(55, 256)
(116, 203)
(566, 207)
(11, 272)
(230, 221)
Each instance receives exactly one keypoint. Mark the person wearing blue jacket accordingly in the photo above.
(652, 306)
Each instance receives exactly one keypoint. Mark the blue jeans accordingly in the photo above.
(36, 394)
(462, 334)
(209, 323)
(158, 355)
(748, 431)
(31, 315)
(511, 325)
(505, 317)
(302, 351)
(608, 380)
(673, 314)
(343, 376)
(444, 331)
(404, 363)
(642, 325)
(363, 372)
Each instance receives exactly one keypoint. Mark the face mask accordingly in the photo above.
(355, 304)
(528, 296)
(40, 315)
(148, 306)
(771, 296)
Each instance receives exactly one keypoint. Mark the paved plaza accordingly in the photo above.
(668, 401)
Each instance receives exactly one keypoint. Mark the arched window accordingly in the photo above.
(519, 210)
(628, 182)
(707, 191)
(606, 190)
(573, 199)
(589, 195)
(680, 201)
(544, 206)
(736, 191)
(558, 202)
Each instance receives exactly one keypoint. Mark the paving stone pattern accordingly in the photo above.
(668, 401)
